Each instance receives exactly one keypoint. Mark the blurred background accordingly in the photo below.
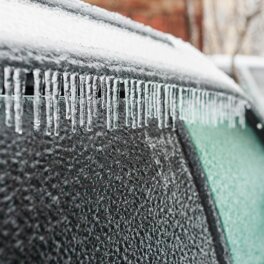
(213, 26)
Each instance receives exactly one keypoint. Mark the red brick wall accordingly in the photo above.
(165, 15)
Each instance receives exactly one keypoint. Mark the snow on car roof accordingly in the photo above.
(80, 33)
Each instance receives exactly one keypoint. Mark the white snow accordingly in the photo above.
(25, 24)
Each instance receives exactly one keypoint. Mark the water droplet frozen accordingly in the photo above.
(109, 104)
(67, 94)
(133, 103)
(116, 98)
(147, 97)
(38, 79)
(103, 91)
(180, 102)
(259, 126)
(48, 99)
(173, 94)
(74, 100)
(155, 89)
(9, 90)
(82, 100)
(207, 107)
(95, 95)
(167, 104)
(127, 98)
(160, 106)
(151, 105)
(140, 91)
(89, 100)
(56, 82)
(19, 76)
(242, 114)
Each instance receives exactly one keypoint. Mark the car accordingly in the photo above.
(120, 144)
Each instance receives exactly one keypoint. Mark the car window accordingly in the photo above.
(233, 160)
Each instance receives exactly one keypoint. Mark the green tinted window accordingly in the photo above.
(233, 160)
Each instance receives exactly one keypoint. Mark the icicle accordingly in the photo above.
(216, 109)
(127, 98)
(186, 108)
(167, 105)
(151, 107)
(171, 100)
(242, 114)
(133, 103)
(155, 91)
(37, 74)
(109, 106)
(230, 115)
(89, 100)
(19, 76)
(187, 104)
(1, 80)
(140, 91)
(180, 100)
(103, 91)
(48, 99)
(9, 90)
(82, 100)
(116, 98)
(197, 115)
(207, 107)
(95, 95)
(233, 112)
(160, 107)
(67, 93)
(74, 100)
(147, 91)
(192, 104)
(56, 104)
(173, 94)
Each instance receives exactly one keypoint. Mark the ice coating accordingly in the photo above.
(9, 91)
(67, 93)
(109, 104)
(107, 40)
(127, 98)
(37, 97)
(95, 92)
(74, 100)
(144, 102)
(56, 84)
(82, 100)
(116, 98)
(133, 102)
(89, 101)
(163, 78)
(140, 91)
(167, 105)
(103, 91)
(147, 106)
(19, 77)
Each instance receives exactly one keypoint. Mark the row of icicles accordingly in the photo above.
(143, 101)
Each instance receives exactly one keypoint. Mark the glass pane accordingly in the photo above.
(233, 160)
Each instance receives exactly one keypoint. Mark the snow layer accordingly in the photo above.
(33, 25)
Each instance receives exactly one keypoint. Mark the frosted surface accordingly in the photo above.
(234, 163)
